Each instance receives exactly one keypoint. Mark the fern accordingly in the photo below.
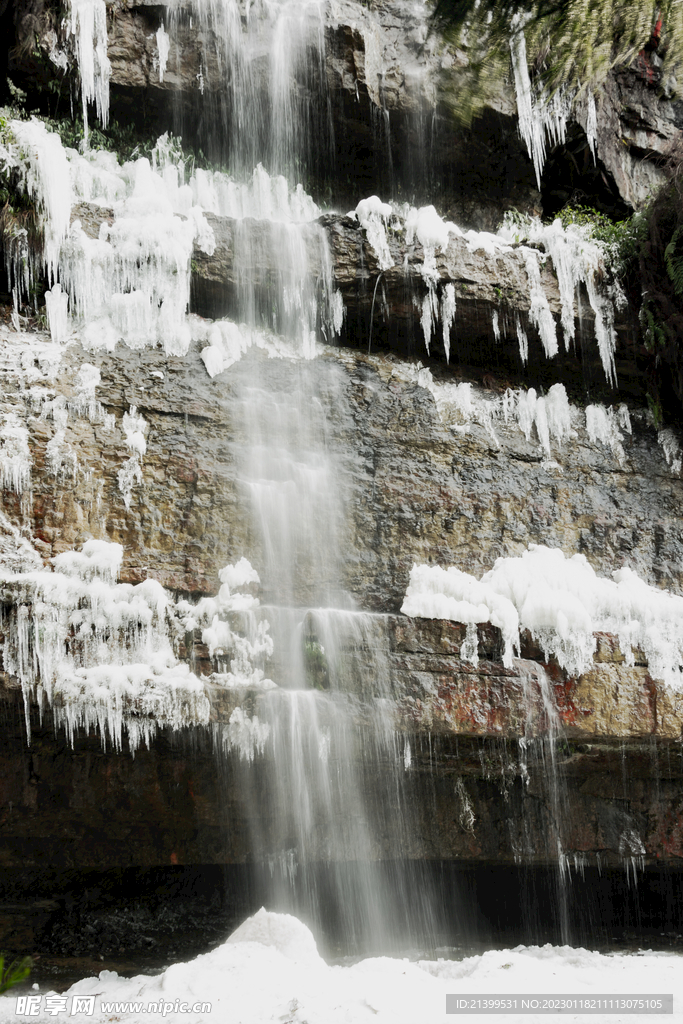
(571, 44)
(674, 262)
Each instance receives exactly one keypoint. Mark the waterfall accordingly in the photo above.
(332, 764)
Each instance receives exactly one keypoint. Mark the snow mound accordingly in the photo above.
(285, 933)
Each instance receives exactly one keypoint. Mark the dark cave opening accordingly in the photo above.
(573, 176)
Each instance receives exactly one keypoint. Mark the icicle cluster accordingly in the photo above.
(87, 25)
(15, 456)
(134, 427)
(132, 283)
(563, 603)
(222, 616)
(576, 259)
(542, 117)
(97, 651)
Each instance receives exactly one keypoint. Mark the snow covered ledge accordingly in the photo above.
(102, 654)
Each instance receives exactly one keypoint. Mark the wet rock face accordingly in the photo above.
(415, 489)
(466, 798)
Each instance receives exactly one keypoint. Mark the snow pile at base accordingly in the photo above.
(269, 970)
(282, 932)
(563, 603)
(98, 652)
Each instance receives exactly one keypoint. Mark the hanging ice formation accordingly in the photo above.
(96, 651)
(563, 603)
(101, 653)
(87, 27)
(578, 261)
(541, 117)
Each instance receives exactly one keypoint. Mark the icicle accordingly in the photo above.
(447, 317)
(539, 115)
(672, 450)
(15, 456)
(163, 49)
(523, 341)
(591, 123)
(539, 311)
(372, 215)
(99, 650)
(57, 306)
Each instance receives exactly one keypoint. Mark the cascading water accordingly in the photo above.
(262, 83)
(323, 772)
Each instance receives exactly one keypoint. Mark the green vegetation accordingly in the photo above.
(571, 44)
(13, 973)
(315, 664)
(622, 240)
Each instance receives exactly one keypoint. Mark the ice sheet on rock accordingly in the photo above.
(163, 50)
(61, 459)
(134, 427)
(448, 308)
(85, 402)
(130, 474)
(460, 406)
(44, 175)
(606, 425)
(563, 603)
(229, 341)
(263, 197)
(435, 593)
(539, 310)
(246, 735)
(96, 651)
(430, 229)
(57, 307)
(17, 554)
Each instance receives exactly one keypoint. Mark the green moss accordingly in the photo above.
(315, 665)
